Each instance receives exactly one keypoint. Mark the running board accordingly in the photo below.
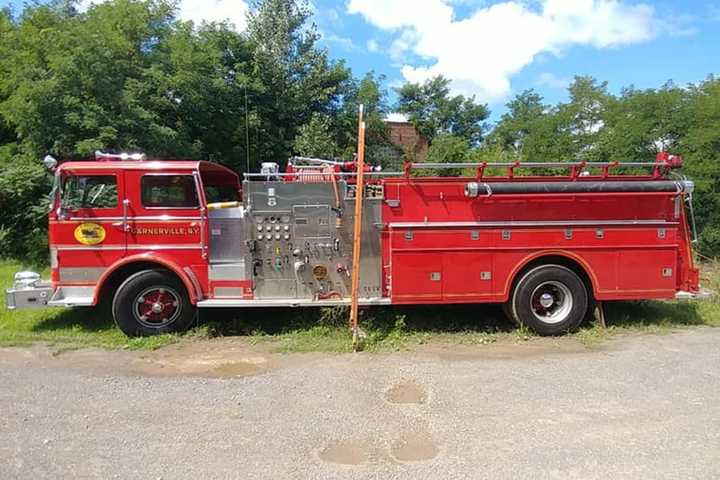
(284, 302)
(703, 294)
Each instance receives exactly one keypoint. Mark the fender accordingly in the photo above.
(191, 286)
(546, 253)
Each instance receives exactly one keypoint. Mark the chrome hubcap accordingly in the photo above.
(551, 302)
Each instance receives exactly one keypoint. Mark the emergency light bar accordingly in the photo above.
(100, 155)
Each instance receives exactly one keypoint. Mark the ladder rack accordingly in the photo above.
(664, 162)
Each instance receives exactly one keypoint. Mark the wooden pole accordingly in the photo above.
(357, 228)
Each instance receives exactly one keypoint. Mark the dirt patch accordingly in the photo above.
(347, 452)
(414, 447)
(214, 359)
(505, 349)
(406, 392)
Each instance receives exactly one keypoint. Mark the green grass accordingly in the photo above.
(66, 328)
(325, 329)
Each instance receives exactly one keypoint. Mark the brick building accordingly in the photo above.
(404, 135)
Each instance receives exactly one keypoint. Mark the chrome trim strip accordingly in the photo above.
(228, 292)
(142, 218)
(62, 248)
(81, 274)
(227, 271)
(548, 223)
(190, 246)
(221, 302)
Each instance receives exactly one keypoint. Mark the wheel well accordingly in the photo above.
(118, 276)
(555, 260)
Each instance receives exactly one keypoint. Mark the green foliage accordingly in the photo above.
(434, 111)
(297, 78)
(314, 139)
(24, 184)
(633, 126)
(448, 149)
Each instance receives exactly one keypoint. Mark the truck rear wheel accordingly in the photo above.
(549, 299)
(152, 302)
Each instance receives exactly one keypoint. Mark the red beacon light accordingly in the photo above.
(670, 160)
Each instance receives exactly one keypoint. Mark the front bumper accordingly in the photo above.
(33, 296)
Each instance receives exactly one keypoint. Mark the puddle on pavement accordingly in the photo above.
(406, 392)
(414, 447)
(348, 452)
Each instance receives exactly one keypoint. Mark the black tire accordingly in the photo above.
(550, 300)
(152, 302)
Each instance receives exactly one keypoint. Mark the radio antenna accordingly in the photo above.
(247, 133)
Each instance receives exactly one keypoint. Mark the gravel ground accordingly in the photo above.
(642, 407)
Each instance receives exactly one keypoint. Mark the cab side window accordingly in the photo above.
(89, 191)
(168, 191)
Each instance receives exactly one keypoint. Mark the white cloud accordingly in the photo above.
(372, 45)
(481, 52)
(343, 42)
(549, 79)
(234, 11)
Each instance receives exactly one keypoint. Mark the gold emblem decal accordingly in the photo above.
(89, 233)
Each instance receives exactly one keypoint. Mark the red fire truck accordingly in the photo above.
(158, 240)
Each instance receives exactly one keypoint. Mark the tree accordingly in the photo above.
(641, 123)
(518, 129)
(297, 77)
(701, 148)
(315, 139)
(448, 149)
(433, 111)
(584, 117)
(369, 93)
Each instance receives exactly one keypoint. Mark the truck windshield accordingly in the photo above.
(89, 191)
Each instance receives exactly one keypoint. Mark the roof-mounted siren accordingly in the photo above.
(103, 156)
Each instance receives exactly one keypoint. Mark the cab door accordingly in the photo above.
(88, 227)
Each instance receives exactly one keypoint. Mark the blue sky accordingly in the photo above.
(495, 49)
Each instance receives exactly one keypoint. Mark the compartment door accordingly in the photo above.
(416, 277)
(467, 276)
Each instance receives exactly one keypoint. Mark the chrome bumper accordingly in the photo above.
(34, 296)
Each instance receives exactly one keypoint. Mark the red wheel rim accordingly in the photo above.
(157, 307)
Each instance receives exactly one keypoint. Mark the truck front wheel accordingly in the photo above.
(549, 299)
(152, 302)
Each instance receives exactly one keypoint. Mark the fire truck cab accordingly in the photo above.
(157, 240)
